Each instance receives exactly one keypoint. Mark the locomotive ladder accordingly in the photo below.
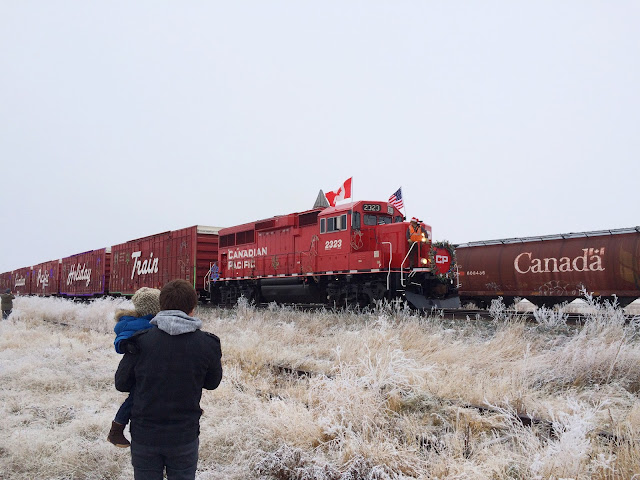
(213, 272)
(402, 280)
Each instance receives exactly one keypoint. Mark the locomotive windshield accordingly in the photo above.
(371, 219)
(376, 219)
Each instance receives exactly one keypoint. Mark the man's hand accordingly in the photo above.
(130, 347)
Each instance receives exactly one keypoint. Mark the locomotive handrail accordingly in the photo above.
(207, 278)
(403, 262)
(390, 257)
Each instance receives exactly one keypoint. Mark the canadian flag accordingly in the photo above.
(342, 193)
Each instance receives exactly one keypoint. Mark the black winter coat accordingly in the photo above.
(169, 373)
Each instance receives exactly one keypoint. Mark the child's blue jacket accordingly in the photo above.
(128, 325)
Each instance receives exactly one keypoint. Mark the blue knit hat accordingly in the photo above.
(146, 301)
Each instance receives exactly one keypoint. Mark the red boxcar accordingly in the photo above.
(85, 274)
(21, 280)
(155, 260)
(5, 281)
(46, 278)
(552, 269)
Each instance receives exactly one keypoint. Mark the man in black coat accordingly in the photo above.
(169, 365)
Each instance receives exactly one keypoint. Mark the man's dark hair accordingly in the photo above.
(178, 295)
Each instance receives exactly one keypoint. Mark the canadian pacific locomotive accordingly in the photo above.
(352, 254)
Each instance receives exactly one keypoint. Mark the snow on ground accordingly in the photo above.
(391, 395)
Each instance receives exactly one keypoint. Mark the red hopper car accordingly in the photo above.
(356, 254)
(552, 269)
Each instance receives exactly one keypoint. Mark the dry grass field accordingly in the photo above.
(384, 394)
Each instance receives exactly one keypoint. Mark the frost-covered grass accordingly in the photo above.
(389, 395)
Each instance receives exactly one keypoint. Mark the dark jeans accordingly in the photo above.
(5, 314)
(149, 462)
(124, 412)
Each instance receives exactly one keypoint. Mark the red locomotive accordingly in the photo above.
(352, 254)
(552, 269)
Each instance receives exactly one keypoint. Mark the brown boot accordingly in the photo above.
(116, 435)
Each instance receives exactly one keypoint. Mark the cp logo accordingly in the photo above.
(442, 259)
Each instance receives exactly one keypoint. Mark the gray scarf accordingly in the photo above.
(176, 322)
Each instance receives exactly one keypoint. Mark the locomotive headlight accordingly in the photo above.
(424, 239)
(424, 261)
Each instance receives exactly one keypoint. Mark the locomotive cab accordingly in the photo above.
(379, 261)
(356, 236)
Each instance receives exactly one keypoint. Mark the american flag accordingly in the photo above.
(396, 199)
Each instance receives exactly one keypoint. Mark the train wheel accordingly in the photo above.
(625, 301)
(482, 304)
(508, 301)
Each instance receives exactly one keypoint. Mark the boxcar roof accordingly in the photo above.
(596, 233)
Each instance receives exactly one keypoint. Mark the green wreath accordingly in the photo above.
(443, 277)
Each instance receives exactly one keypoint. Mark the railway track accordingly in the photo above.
(461, 314)
(573, 319)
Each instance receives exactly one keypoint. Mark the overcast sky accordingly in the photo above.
(498, 119)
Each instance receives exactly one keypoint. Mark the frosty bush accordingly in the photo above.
(498, 310)
(571, 453)
(289, 463)
(96, 314)
(604, 350)
(551, 318)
